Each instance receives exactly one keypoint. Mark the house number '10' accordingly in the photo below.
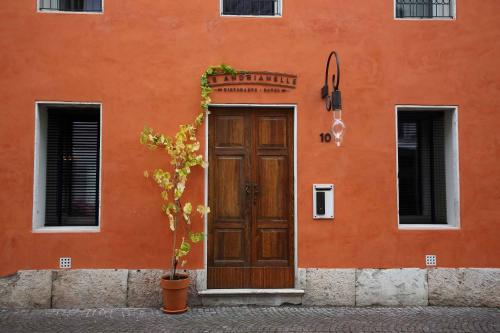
(325, 137)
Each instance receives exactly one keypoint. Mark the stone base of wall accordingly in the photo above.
(401, 287)
(336, 287)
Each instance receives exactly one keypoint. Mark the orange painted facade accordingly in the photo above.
(142, 60)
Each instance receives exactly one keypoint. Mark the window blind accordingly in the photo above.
(72, 174)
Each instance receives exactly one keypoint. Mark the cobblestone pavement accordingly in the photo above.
(255, 319)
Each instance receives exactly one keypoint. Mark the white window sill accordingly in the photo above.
(425, 19)
(253, 16)
(55, 230)
(48, 11)
(427, 227)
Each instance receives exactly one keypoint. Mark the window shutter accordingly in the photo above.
(421, 161)
(72, 179)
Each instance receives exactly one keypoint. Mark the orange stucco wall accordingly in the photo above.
(142, 60)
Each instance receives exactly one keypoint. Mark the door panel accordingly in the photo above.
(273, 244)
(229, 246)
(272, 132)
(272, 193)
(250, 236)
(230, 203)
(229, 131)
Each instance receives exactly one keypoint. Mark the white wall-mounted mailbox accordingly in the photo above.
(323, 201)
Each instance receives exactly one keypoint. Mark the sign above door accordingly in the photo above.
(253, 82)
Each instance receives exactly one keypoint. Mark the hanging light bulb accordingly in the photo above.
(338, 127)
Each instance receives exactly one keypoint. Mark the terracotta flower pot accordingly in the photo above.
(175, 293)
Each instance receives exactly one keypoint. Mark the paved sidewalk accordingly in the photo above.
(255, 319)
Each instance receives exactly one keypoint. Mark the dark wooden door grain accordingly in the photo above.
(250, 234)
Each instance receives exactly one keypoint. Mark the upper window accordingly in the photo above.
(71, 5)
(425, 9)
(68, 165)
(427, 167)
(251, 7)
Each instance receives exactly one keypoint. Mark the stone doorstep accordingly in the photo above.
(269, 297)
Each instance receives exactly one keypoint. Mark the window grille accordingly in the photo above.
(251, 7)
(424, 9)
(71, 5)
(72, 174)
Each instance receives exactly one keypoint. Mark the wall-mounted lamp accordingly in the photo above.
(333, 102)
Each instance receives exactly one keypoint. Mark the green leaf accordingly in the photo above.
(185, 246)
(196, 236)
(187, 208)
(203, 210)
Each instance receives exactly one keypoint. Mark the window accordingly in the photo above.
(251, 7)
(425, 9)
(71, 5)
(427, 167)
(68, 165)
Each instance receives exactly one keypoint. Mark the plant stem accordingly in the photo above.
(172, 271)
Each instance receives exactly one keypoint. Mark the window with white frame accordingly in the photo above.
(427, 166)
(251, 7)
(67, 165)
(425, 9)
(71, 5)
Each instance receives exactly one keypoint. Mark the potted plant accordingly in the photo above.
(183, 151)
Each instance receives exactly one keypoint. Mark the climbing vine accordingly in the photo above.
(205, 88)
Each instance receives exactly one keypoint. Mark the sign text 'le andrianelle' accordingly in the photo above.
(267, 82)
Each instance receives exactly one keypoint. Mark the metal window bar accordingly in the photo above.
(71, 5)
(251, 7)
(424, 9)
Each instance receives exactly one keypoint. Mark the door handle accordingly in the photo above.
(255, 193)
(247, 188)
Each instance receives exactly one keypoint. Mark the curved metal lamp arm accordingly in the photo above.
(335, 78)
(333, 101)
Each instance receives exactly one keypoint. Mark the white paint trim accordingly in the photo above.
(47, 11)
(38, 215)
(451, 167)
(280, 11)
(57, 230)
(454, 18)
(426, 227)
(262, 106)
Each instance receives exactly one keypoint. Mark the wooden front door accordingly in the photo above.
(250, 228)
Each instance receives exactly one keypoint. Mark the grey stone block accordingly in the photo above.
(201, 279)
(329, 287)
(198, 282)
(464, 287)
(391, 287)
(301, 278)
(6, 284)
(87, 288)
(27, 289)
(144, 289)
